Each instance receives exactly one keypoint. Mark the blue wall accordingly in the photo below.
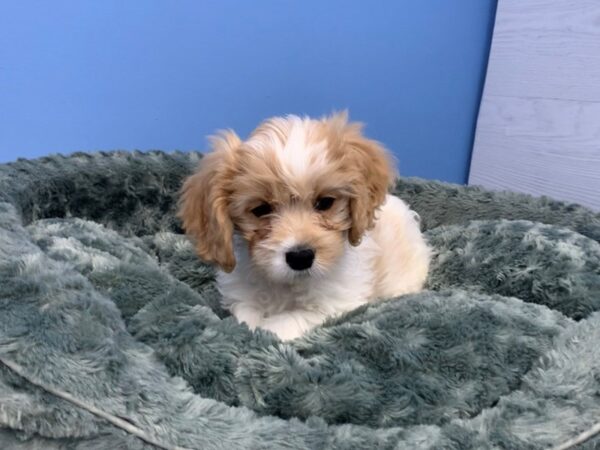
(100, 75)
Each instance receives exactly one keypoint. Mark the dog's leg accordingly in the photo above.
(247, 313)
(292, 324)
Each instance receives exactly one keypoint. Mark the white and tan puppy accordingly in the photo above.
(299, 220)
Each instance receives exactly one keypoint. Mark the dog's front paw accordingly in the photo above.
(285, 327)
(247, 314)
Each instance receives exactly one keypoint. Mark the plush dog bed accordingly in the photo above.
(112, 337)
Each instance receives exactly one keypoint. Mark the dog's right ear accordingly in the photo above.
(203, 204)
(373, 173)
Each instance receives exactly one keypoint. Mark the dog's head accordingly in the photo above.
(297, 190)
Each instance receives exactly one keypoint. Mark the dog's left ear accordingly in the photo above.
(203, 205)
(374, 174)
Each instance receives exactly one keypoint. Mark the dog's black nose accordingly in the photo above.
(300, 258)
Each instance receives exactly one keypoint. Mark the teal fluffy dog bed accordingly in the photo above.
(112, 337)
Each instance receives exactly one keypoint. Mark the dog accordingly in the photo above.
(299, 221)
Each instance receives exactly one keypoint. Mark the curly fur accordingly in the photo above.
(287, 165)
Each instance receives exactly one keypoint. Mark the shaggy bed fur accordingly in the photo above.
(101, 297)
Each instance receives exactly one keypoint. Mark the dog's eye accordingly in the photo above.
(324, 203)
(262, 210)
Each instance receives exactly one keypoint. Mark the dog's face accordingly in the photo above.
(296, 191)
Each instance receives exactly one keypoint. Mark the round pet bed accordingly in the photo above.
(111, 333)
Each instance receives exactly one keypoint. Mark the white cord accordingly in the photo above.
(116, 421)
(580, 438)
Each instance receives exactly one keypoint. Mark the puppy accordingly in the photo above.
(298, 220)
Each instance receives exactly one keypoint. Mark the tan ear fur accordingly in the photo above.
(203, 204)
(374, 173)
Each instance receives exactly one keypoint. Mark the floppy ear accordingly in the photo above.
(374, 174)
(203, 204)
